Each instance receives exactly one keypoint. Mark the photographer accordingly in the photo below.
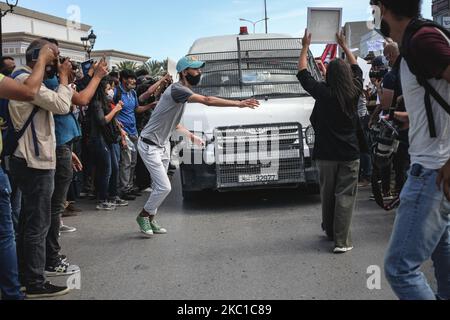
(382, 168)
(26, 91)
(33, 169)
(392, 90)
(422, 224)
(337, 147)
(67, 131)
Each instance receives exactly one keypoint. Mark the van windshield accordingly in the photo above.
(262, 68)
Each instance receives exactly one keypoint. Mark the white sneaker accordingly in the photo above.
(66, 229)
(342, 250)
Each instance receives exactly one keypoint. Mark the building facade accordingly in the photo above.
(23, 26)
(441, 12)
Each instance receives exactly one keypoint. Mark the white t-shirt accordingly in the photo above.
(431, 153)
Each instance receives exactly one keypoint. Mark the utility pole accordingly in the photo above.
(265, 12)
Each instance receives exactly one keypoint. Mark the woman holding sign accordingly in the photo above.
(337, 148)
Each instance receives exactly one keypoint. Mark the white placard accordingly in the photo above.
(446, 22)
(172, 68)
(324, 23)
(376, 45)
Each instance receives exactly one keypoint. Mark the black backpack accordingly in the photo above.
(411, 30)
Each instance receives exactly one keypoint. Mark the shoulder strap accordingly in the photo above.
(414, 26)
(19, 73)
(411, 30)
(21, 132)
(29, 121)
(431, 92)
(117, 95)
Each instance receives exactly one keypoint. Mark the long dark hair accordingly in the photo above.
(342, 83)
(100, 96)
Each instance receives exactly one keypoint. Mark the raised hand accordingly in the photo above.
(101, 69)
(341, 39)
(48, 54)
(65, 68)
(306, 41)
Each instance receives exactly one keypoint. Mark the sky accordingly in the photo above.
(162, 29)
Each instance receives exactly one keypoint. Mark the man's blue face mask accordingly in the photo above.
(52, 83)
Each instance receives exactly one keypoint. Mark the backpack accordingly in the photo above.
(10, 136)
(411, 30)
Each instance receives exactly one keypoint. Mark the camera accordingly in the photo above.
(379, 75)
(385, 137)
(75, 65)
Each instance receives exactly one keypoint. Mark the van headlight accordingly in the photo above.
(310, 137)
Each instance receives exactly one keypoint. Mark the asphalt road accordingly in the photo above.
(244, 246)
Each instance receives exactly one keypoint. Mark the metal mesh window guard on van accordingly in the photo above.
(260, 68)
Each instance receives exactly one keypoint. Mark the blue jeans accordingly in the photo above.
(421, 231)
(106, 168)
(115, 161)
(9, 275)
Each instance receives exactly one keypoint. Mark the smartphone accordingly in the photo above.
(35, 55)
(85, 66)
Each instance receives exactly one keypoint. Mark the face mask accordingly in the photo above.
(193, 80)
(110, 95)
(52, 83)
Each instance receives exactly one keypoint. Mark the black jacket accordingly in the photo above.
(336, 132)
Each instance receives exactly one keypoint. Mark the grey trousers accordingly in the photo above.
(127, 166)
(157, 161)
(338, 188)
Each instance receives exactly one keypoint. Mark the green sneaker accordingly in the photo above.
(156, 228)
(145, 226)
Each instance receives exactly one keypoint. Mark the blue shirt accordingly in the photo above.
(127, 116)
(66, 126)
(66, 129)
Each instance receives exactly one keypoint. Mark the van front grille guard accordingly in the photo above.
(262, 155)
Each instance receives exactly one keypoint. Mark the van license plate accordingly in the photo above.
(258, 178)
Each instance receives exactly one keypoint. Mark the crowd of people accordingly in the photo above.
(81, 135)
(106, 135)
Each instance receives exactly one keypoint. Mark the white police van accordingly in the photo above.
(269, 147)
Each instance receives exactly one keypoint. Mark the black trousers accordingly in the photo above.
(35, 219)
(63, 179)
